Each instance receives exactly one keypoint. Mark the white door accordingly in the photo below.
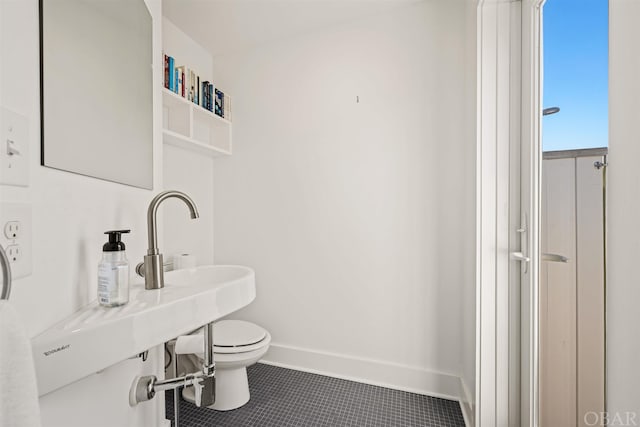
(571, 290)
(508, 172)
(508, 194)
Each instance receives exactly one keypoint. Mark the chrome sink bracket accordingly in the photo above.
(145, 388)
(176, 393)
(143, 355)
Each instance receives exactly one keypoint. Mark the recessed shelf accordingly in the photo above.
(181, 141)
(172, 98)
(191, 127)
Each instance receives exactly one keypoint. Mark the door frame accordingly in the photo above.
(508, 172)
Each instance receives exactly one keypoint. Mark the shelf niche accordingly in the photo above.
(191, 127)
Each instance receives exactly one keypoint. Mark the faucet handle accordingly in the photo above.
(166, 266)
(140, 269)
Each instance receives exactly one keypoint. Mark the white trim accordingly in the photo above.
(369, 371)
(467, 404)
(531, 123)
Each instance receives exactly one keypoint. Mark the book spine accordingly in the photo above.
(218, 107)
(187, 83)
(179, 80)
(172, 75)
(209, 95)
(198, 89)
(183, 83)
(222, 104)
(166, 71)
(211, 98)
(191, 88)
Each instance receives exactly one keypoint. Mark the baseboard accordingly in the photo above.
(368, 371)
(467, 404)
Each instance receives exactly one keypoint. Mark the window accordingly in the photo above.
(575, 74)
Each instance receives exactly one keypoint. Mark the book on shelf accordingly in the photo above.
(170, 74)
(205, 95)
(219, 105)
(211, 97)
(186, 83)
(191, 85)
(166, 71)
(198, 97)
(180, 79)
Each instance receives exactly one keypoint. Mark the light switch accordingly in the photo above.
(14, 148)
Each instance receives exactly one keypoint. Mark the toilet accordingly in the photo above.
(236, 345)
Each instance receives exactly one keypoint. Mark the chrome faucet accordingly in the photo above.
(152, 268)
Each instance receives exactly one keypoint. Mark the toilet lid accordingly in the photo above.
(236, 333)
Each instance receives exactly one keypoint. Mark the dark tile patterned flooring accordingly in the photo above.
(287, 398)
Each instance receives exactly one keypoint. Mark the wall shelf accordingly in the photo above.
(181, 141)
(191, 127)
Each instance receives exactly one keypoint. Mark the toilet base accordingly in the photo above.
(232, 389)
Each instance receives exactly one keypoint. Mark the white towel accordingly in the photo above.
(18, 390)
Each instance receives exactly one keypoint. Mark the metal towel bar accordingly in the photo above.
(6, 275)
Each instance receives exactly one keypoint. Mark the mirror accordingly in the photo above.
(96, 89)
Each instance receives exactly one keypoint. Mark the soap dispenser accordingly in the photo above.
(113, 271)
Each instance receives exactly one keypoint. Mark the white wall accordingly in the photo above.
(70, 213)
(185, 170)
(623, 234)
(358, 217)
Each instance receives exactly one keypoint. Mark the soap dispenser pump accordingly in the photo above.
(113, 271)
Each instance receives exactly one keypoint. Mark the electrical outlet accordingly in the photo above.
(12, 229)
(15, 236)
(14, 253)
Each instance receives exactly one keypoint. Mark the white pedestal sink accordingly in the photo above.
(97, 337)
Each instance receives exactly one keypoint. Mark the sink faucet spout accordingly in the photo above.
(153, 262)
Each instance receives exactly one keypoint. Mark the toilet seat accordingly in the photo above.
(237, 345)
(238, 336)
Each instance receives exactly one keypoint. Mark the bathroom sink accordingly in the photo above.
(97, 337)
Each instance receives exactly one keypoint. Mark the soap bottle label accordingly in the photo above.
(107, 284)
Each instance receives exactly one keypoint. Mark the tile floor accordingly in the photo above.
(287, 398)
